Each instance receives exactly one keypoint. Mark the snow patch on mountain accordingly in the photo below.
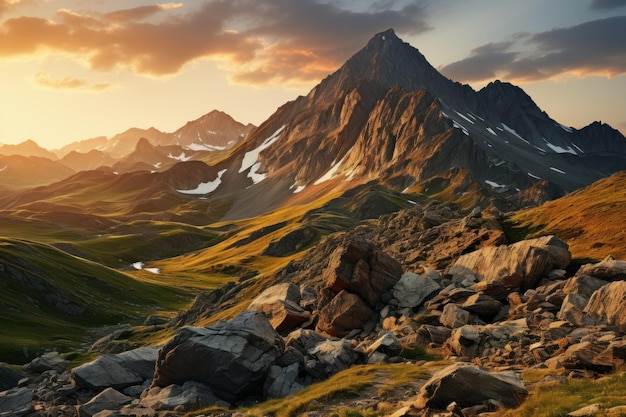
(332, 172)
(560, 149)
(139, 266)
(494, 184)
(557, 170)
(534, 176)
(254, 175)
(203, 147)
(252, 157)
(206, 187)
(182, 157)
(514, 133)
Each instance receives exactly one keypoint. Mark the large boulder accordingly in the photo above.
(280, 303)
(359, 267)
(230, 357)
(117, 371)
(606, 305)
(9, 378)
(454, 316)
(469, 386)
(345, 312)
(609, 270)
(412, 289)
(518, 266)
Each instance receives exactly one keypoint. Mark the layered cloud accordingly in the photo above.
(591, 48)
(264, 41)
(43, 79)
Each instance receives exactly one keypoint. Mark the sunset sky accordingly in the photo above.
(76, 69)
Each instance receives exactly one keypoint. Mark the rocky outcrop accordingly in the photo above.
(280, 303)
(606, 305)
(608, 270)
(109, 399)
(47, 362)
(413, 289)
(344, 313)
(16, 402)
(517, 266)
(469, 386)
(117, 371)
(230, 357)
(186, 397)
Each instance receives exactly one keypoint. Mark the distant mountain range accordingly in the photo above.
(385, 115)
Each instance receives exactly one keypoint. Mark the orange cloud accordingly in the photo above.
(265, 41)
(43, 79)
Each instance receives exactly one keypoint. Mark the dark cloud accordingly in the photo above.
(591, 48)
(43, 79)
(265, 41)
(607, 4)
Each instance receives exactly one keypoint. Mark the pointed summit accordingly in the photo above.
(389, 62)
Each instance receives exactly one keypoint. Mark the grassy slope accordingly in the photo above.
(590, 220)
(40, 285)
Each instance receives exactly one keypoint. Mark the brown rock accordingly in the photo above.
(344, 313)
(483, 306)
(609, 270)
(468, 386)
(280, 303)
(454, 316)
(520, 265)
(606, 305)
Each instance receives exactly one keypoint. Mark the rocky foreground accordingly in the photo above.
(422, 278)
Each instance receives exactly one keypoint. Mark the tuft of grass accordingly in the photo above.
(555, 401)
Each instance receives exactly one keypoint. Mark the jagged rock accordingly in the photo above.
(189, 396)
(483, 306)
(117, 371)
(412, 289)
(436, 335)
(359, 267)
(450, 294)
(572, 310)
(520, 265)
(583, 355)
(282, 381)
(332, 356)
(454, 316)
(280, 303)
(16, 402)
(303, 340)
(608, 270)
(109, 399)
(230, 357)
(583, 285)
(387, 344)
(606, 305)
(464, 341)
(615, 353)
(48, 361)
(345, 312)
(468, 386)
(9, 378)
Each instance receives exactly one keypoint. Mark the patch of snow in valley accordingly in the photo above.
(211, 132)
(559, 149)
(157, 165)
(139, 266)
(297, 188)
(464, 117)
(577, 147)
(252, 157)
(458, 126)
(180, 157)
(411, 202)
(540, 149)
(534, 176)
(490, 130)
(557, 170)
(153, 270)
(494, 184)
(514, 133)
(203, 147)
(500, 129)
(206, 187)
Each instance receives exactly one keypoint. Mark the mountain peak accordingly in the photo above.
(388, 61)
